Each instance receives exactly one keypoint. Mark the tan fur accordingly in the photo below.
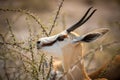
(71, 53)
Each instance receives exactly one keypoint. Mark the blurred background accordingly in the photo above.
(106, 16)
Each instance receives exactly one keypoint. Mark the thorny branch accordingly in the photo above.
(41, 60)
(29, 14)
(10, 28)
(50, 68)
(30, 41)
(4, 64)
(5, 69)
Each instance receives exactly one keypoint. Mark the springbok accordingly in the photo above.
(66, 48)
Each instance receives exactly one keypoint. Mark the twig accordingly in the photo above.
(5, 69)
(21, 58)
(3, 39)
(4, 64)
(11, 31)
(50, 68)
(56, 16)
(41, 60)
(30, 41)
(43, 71)
(34, 70)
(63, 21)
(16, 45)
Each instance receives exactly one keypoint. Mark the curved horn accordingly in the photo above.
(82, 20)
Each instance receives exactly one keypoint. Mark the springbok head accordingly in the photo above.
(53, 45)
(66, 46)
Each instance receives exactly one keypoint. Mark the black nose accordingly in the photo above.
(38, 42)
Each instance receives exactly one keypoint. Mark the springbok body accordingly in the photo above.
(66, 47)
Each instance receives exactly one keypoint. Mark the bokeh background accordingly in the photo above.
(106, 16)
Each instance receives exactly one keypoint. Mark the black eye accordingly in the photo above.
(60, 38)
(38, 42)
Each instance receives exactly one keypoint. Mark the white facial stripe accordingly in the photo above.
(47, 40)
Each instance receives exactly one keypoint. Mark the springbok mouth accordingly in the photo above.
(38, 48)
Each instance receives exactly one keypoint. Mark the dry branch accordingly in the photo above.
(56, 16)
(29, 14)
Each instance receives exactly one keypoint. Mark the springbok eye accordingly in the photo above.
(38, 42)
(61, 38)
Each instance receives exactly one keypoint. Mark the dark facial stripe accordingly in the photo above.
(49, 44)
(60, 38)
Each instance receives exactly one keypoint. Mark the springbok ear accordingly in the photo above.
(91, 36)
